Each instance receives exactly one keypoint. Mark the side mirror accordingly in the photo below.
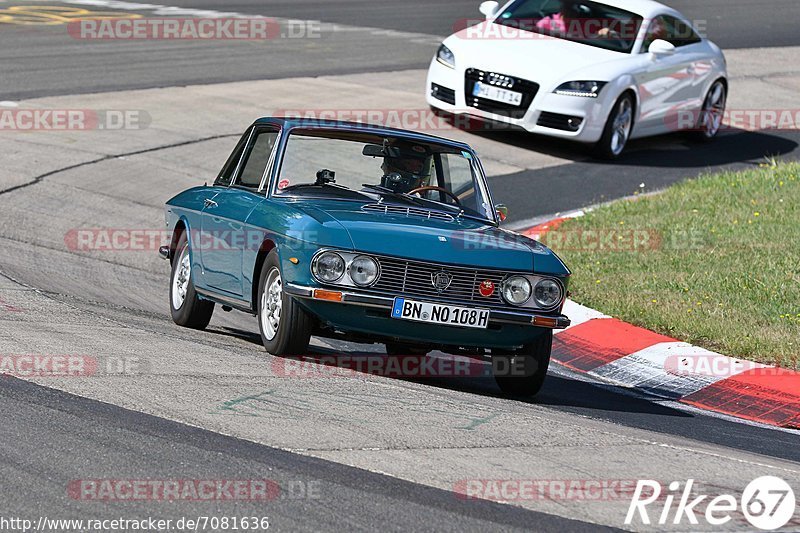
(489, 8)
(502, 212)
(660, 47)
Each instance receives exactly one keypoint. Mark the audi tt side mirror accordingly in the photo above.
(489, 8)
(660, 47)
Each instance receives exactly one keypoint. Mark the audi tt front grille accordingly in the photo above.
(511, 83)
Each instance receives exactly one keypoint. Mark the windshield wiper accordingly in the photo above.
(386, 191)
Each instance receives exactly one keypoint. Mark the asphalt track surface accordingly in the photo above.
(46, 60)
(50, 437)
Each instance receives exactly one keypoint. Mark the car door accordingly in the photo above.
(666, 80)
(224, 234)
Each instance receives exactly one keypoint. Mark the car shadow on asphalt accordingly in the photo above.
(558, 391)
(674, 150)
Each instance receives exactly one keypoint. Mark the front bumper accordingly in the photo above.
(543, 116)
(496, 316)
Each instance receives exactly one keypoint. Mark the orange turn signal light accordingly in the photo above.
(545, 322)
(331, 296)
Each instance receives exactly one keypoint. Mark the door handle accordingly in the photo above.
(209, 203)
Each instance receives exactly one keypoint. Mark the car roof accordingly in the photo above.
(292, 123)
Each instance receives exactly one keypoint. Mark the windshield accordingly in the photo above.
(585, 22)
(370, 167)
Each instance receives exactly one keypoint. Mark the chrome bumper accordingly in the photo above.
(382, 302)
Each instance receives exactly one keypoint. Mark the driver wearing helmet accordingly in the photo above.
(406, 169)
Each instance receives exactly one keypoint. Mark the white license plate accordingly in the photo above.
(451, 315)
(497, 94)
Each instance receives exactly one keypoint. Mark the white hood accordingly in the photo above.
(542, 59)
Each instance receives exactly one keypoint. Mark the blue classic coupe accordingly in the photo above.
(369, 234)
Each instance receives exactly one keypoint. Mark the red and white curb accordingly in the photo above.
(633, 357)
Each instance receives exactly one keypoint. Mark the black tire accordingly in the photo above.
(398, 348)
(608, 147)
(293, 331)
(702, 133)
(193, 313)
(522, 373)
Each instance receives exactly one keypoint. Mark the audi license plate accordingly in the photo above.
(450, 315)
(497, 94)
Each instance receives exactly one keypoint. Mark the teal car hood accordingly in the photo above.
(462, 241)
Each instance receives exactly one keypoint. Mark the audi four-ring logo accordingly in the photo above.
(441, 280)
(500, 80)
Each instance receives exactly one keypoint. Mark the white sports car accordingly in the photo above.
(595, 72)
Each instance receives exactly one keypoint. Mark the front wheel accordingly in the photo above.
(618, 129)
(713, 112)
(186, 308)
(285, 327)
(522, 373)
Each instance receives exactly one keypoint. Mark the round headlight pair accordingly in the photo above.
(329, 267)
(517, 290)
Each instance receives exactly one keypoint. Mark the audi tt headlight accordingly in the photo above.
(328, 267)
(446, 57)
(547, 293)
(517, 290)
(586, 89)
(364, 270)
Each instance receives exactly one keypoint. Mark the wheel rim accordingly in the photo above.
(180, 278)
(713, 110)
(621, 127)
(271, 304)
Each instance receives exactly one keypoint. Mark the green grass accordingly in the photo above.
(713, 261)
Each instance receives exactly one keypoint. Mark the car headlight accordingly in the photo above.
(547, 293)
(586, 89)
(446, 57)
(364, 270)
(328, 267)
(517, 290)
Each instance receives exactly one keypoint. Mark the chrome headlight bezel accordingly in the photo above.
(446, 57)
(581, 88)
(506, 285)
(362, 257)
(315, 263)
(552, 284)
(531, 302)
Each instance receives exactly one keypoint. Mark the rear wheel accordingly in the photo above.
(186, 308)
(618, 129)
(285, 327)
(522, 373)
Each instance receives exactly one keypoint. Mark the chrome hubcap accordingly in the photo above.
(180, 280)
(271, 304)
(621, 127)
(713, 110)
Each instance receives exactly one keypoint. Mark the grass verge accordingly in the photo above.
(714, 261)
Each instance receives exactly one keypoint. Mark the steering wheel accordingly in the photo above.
(434, 188)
